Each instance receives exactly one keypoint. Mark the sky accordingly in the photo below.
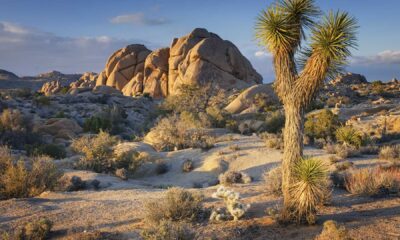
(75, 36)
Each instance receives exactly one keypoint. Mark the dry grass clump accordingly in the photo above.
(177, 205)
(179, 131)
(273, 181)
(34, 230)
(310, 189)
(168, 230)
(346, 151)
(274, 141)
(390, 153)
(97, 152)
(232, 177)
(332, 231)
(13, 120)
(187, 166)
(373, 181)
(20, 179)
(343, 166)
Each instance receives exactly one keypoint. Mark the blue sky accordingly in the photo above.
(77, 36)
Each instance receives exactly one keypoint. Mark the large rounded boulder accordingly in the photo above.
(156, 73)
(203, 58)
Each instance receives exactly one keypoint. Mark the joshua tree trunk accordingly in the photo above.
(293, 139)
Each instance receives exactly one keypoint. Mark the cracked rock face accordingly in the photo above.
(200, 58)
(124, 66)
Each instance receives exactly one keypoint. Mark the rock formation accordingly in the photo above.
(199, 58)
(125, 66)
(88, 80)
(349, 78)
(50, 88)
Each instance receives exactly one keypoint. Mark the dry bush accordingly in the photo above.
(168, 230)
(17, 180)
(97, 152)
(273, 181)
(187, 166)
(177, 205)
(346, 151)
(35, 230)
(373, 181)
(390, 153)
(332, 231)
(179, 131)
(13, 120)
(275, 122)
(232, 177)
(274, 141)
(310, 189)
(343, 166)
(234, 148)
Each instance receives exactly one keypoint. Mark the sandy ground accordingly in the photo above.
(118, 205)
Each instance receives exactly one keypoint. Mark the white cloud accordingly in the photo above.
(261, 54)
(138, 19)
(384, 57)
(28, 51)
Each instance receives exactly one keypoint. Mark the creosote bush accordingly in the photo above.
(169, 230)
(17, 180)
(177, 205)
(332, 231)
(273, 181)
(321, 125)
(310, 189)
(373, 181)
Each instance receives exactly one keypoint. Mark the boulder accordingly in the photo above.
(59, 128)
(50, 88)
(123, 66)
(106, 90)
(156, 73)
(204, 58)
(245, 100)
(348, 79)
(88, 80)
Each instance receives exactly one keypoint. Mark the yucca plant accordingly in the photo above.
(310, 188)
(281, 28)
(348, 136)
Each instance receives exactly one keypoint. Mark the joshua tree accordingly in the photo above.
(282, 28)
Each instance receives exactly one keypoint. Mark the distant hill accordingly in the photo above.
(6, 75)
(9, 80)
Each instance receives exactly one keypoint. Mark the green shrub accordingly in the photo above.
(310, 188)
(42, 101)
(35, 230)
(275, 122)
(97, 152)
(168, 230)
(60, 114)
(96, 124)
(18, 181)
(52, 150)
(177, 205)
(347, 135)
(321, 125)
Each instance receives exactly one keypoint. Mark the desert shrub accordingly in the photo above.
(332, 231)
(5, 158)
(42, 100)
(232, 177)
(234, 148)
(96, 124)
(168, 230)
(60, 114)
(343, 166)
(274, 141)
(179, 131)
(273, 181)
(346, 151)
(177, 205)
(52, 150)
(65, 89)
(310, 189)
(122, 173)
(187, 166)
(321, 125)
(369, 149)
(13, 120)
(97, 152)
(390, 153)
(35, 230)
(373, 181)
(18, 181)
(71, 184)
(233, 205)
(347, 135)
(275, 122)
